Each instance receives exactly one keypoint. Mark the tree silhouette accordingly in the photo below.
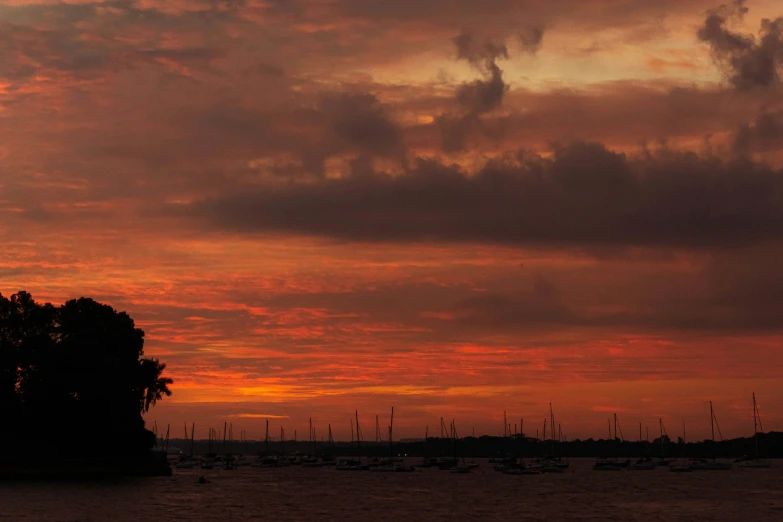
(155, 386)
(73, 378)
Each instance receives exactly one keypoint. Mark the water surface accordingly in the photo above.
(324, 494)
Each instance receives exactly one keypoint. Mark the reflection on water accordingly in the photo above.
(297, 493)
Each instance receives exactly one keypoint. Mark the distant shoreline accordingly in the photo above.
(770, 446)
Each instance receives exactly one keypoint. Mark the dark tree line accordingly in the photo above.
(74, 379)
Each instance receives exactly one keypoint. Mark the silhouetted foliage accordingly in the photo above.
(73, 378)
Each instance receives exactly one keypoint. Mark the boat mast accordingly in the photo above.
(755, 424)
(552, 420)
(192, 437)
(358, 431)
(442, 434)
(615, 426)
(391, 428)
(266, 438)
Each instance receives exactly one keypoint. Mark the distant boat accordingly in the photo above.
(431, 462)
(312, 462)
(187, 462)
(229, 462)
(447, 463)
(352, 465)
(391, 463)
(660, 461)
(643, 464)
(755, 461)
(268, 461)
(684, 466)
(522, 471)
(611, 463)
(711, 465)
(392, 468)
(680, 468)
(550, 464)
(508, 463)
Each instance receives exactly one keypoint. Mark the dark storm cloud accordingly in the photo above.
(362, 122)
(480, 54)
(483, 95)
(748, 61)
(477, 97)
(531, 39)
(764, 134)
(584, 195)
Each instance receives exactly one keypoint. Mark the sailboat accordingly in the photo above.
(662, 460)
(611, 464)
(684, 466)
(711, 465)
(446, 463)
(645, 463)
(463, 468)
(755, 461)
(188, 461)
(210, 460)
(389, 465)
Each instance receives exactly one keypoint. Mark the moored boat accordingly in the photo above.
(643, 464)
(351, 465)
(754, 462)
(709, 465)
(611, 464)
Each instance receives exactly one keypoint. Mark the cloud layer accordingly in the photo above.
(582, 196)
(457, 207)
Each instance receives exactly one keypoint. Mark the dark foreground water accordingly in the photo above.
(321, 494)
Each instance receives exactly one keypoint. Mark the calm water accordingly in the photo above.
(297, 493)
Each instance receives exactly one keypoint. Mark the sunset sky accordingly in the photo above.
(452, 207)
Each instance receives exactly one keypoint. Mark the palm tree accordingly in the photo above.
(153, 386)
